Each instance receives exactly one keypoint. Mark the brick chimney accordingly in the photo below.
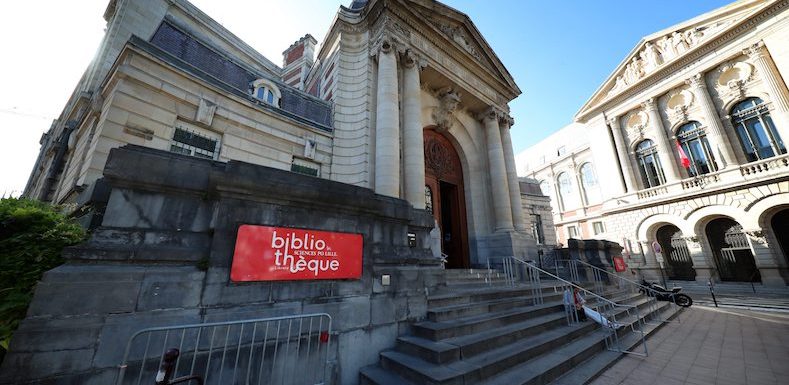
(297, 61)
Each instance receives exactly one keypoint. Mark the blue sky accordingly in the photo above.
(558, 52)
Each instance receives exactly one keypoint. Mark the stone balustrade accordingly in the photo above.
(754, 171)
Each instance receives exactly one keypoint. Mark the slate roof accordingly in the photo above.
(181, 49)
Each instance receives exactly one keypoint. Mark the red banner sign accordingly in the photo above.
(265, 253)
(619, 264)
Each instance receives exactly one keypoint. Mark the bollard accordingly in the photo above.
(712, 291)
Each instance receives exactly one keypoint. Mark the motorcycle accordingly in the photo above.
(662, 294)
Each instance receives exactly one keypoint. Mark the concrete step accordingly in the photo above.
(498, 358)
(466, 347)
(549, 367)
(376, 375)
(459, 296)
(478, 323)
(590, 369)
(444, 313)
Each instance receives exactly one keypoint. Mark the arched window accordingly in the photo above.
(649, 164)
(756, 130)
(589, 180)
(568, 199)
(694, 142)
(267, 91)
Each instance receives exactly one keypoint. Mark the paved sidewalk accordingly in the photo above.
(711, 346)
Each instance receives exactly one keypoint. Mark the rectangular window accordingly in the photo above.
(542, 159)
(598, 228)
(194, 141)
(572, 232)
(306, 167)
(536, 229)
(560, 151)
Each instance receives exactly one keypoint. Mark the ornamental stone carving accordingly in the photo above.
(635, 124)
(205, 112)
(733, 79)
(448, 100)
(657, 52)
(678, 105)
(458, 34)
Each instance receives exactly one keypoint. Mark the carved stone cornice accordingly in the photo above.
(744, 26)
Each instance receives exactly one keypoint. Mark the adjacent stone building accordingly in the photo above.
(688, 135)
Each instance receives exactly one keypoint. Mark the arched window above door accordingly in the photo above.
(756, 130)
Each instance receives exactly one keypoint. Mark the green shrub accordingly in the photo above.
(32, 236)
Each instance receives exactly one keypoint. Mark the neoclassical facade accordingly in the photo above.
(690, 134)
(402, 97)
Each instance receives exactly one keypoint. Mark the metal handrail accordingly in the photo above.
(612, 338)
(647, 290)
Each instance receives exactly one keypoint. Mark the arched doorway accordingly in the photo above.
(780, 225)
(445, 198)
(675, 251)
(733, 254)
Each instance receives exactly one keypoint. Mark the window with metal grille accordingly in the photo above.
(755, 129)
(189, 142)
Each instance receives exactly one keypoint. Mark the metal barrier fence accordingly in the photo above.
(291, 350)
(613, 316)
(602, 278)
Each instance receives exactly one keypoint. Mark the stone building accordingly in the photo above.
(538, 215)
(411, 103)
(566, 172)
(179, 133)
(689, 137)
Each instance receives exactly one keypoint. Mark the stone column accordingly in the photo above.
(775, 87)
(701, 263)
(666, 149)
(413, 139)
(764, 257)
(387, 124)
(623, 153)
(721, 147)
(512, 174)
(498, 172)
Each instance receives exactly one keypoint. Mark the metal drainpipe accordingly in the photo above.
(57, 161)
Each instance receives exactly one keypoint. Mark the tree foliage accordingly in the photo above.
(32, 236)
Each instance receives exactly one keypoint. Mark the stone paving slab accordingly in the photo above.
(711, 346)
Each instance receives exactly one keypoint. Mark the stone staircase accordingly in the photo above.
(479, 331)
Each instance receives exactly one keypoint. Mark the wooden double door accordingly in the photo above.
(445, 197)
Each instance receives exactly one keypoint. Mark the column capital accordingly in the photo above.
(613, 122)
(411, 59)
(649, 105)
(696, 81)
(756, 51)
(506, 120)
(384, 44)
(490, 113)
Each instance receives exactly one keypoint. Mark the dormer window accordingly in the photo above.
(266, 91)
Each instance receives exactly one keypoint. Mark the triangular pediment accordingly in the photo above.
(670, 45)
(459, 31)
